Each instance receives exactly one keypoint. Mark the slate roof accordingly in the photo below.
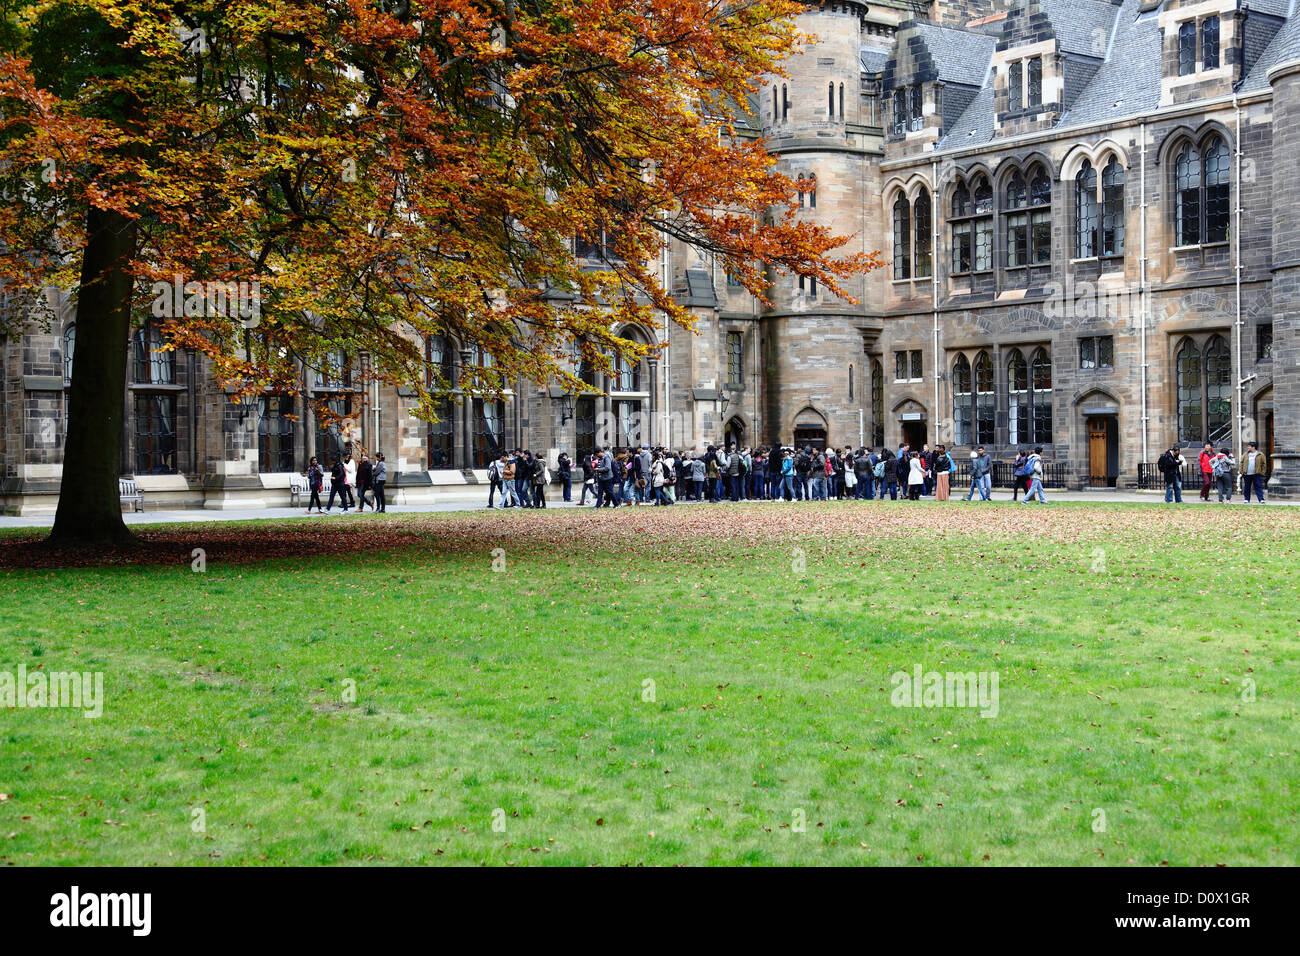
(1080, 24)
(1125, 83)
(874, 59)
(960, 56)
(1284, 48)
(699, 290)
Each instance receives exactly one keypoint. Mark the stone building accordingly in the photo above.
(1088, 211)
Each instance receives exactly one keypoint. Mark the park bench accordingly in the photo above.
(129, 493)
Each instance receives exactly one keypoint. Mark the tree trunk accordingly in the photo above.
(90, 510)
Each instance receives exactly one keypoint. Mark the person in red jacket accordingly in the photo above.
(1207, 470)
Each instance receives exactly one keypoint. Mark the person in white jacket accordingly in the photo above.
(349, 481)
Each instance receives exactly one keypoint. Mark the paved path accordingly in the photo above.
(192, 515)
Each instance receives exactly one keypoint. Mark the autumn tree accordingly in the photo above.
(384, 171)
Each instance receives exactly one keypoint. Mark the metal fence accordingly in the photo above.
(1004, 474)
(1150, 477)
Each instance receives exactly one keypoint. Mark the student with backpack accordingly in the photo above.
(1222, 465)
(1034, 468)
(981, 468)
(1020, 479)
(494, 471)
(315, 478)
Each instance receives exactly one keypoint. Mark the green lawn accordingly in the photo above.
(1122, 636)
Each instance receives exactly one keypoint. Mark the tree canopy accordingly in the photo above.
(387, 171)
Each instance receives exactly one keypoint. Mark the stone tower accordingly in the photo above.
(814, 124)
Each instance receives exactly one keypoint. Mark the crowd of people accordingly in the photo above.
(356, 483)
(657, 476)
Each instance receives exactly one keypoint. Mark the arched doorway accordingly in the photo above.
(912, 423)
(810, 429)
(734, 434)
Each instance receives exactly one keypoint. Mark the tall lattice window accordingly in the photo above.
(1086, 213)
(1190, 393)
(1187, 49)
(1041, 396)
(275, 432)
(924, 235)
(985, 399)
(1036, 81)
(735, 358)
(1202, 193)
(1016, 86)
(877, 403)
(963, 403)
(1112, 209)
(155, 434)
(902, 238)
(1210, 43)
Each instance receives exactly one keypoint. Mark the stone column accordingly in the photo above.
(1285, 80)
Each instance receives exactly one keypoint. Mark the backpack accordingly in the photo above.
(1221, 467)
(830, 468)
(879, 470)
(802, 463)
(743, 469)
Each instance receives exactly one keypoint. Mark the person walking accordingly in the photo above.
(1034, 467)
(338, 486)
(379, 475)
(1206, 461)
(565, 470)
(364, 471)
(608, 497)
(494, 471)
(1171, 468)
(943, 466)
(349, 481)
(589, 466)
(1254, 466)
(915, 477)
(1222, 465)
(315, 477)
(1020, 481)
(541, 481)
(981, 468)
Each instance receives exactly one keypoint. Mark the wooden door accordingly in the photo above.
(1098, 435)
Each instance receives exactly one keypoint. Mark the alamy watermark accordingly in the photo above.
(79, 690)
(241, 301)
(951, 689)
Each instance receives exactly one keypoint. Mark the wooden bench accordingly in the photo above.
(129, 493)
